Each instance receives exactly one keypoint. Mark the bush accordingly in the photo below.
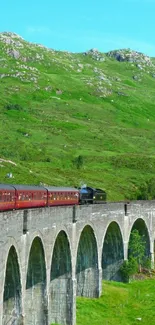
(147, 263)
(78, 161)
(13, 107)
(147, 190)
(129, 268)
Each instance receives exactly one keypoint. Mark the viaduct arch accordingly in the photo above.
(63, 252)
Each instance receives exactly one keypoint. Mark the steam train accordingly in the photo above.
(27, 196)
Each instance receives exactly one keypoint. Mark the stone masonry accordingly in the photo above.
(50, 255)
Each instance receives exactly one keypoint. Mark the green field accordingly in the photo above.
(120, 304)
(57, 106)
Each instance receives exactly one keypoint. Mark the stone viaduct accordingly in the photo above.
(48, 256)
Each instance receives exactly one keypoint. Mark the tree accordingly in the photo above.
(137, 247)
(136, 256)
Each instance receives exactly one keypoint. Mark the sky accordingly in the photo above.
(78, 26)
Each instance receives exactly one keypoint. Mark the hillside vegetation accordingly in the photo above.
(74, 118)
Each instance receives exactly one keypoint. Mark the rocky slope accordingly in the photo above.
(29, 63)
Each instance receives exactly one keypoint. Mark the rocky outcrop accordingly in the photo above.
(11, 39)
(13, 53)
(96, 55)
(130, 56)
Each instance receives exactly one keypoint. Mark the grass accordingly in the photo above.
(110, 123)
(120, 304)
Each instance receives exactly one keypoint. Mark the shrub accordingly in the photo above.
(147, 263)
(78, 161)
(147, 190)
(129, 268)
(16, 107)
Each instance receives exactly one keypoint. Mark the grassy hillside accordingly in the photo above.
(120, 304)
(57, 106)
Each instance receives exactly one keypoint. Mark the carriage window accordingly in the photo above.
(27, 196)
(0, 196)
(42, 195)
(34, 196)
(22, 196)
(11, 196)
(6, 197)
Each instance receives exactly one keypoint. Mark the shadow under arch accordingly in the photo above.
(12, 310)
(61, 291)
(87, 273)
(140, 225)
(35, 295)
(112, 253)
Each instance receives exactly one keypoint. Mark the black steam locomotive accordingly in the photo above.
(89, 195)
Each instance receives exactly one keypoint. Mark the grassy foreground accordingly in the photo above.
(123, 304)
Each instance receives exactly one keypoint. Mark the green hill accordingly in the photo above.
(74, 118)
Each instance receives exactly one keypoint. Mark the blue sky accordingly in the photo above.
(80, 25)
